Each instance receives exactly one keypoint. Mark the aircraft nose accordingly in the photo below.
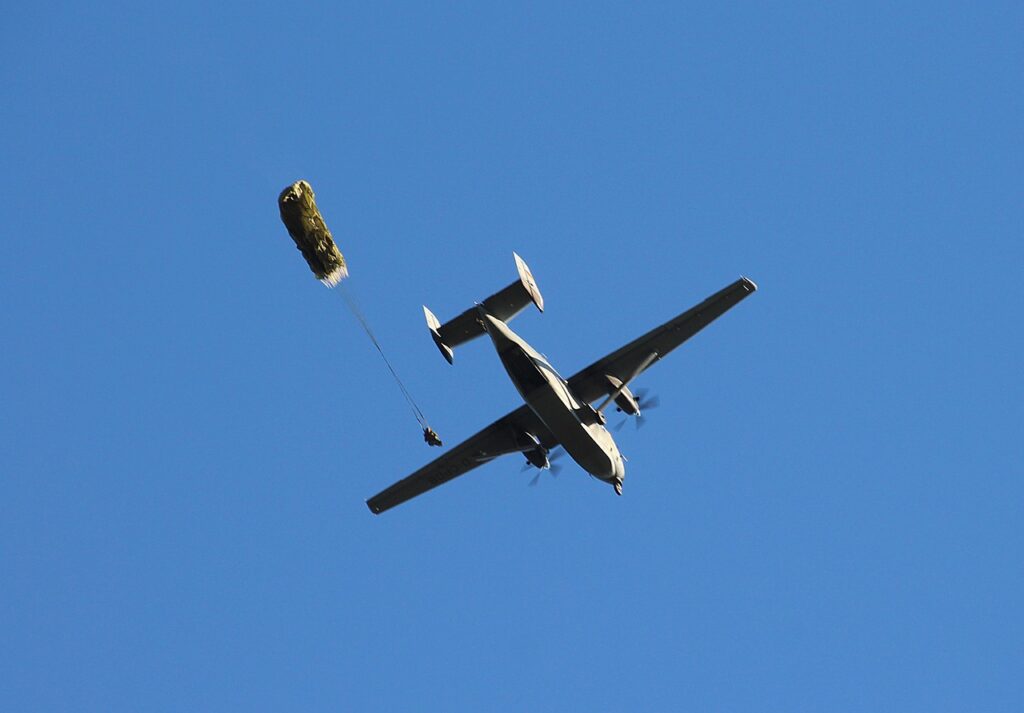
(619, 469)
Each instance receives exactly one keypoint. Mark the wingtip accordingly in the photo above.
(749, 284)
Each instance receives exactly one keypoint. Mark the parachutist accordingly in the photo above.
(431, 437)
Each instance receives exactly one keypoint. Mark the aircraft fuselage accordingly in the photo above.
(577, 426)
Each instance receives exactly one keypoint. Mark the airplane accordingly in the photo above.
(556, 412)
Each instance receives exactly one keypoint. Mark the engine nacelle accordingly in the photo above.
(538, 457)
(625, 401)
(536, 454)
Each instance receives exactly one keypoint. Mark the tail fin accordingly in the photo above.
(504, 305)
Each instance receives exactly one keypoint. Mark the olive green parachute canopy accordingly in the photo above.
(309, 231)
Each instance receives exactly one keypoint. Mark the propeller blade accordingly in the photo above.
(553, 455)
(645, 402)
(652, 402)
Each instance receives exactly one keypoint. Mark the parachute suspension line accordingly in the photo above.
(353, 307)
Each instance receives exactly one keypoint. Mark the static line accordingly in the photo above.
(353, 307)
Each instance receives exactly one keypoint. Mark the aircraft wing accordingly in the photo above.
(592, 383)
(506, 435)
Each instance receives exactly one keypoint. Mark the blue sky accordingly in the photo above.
(823, 514)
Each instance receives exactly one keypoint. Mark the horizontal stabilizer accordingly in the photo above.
(504, 305)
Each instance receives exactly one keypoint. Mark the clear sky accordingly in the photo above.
(823, 515)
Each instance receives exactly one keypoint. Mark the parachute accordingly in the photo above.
(309, 231)
(313, 239)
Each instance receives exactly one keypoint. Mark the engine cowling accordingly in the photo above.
(538, 457)
(625, 401)
(536, 454)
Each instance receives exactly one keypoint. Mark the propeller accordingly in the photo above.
(643, 402)
(553, 467)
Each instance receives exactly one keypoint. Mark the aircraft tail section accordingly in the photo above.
(504, 305)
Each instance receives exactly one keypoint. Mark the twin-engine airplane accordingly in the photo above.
(557, 412)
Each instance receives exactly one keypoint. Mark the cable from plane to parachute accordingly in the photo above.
(313, 239)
